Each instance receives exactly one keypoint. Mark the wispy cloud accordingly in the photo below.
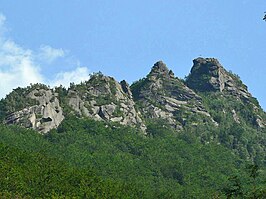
(49, 54)
(76, 76)
(17, 67)
(20, 66)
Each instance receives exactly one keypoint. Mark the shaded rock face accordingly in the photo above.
(163, 96)
(161, 69)
(44, 116)
(103, 98)
(207, 74)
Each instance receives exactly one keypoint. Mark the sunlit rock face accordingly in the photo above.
(158, 96)
(161, 95)
(45, 115)
(103, 98)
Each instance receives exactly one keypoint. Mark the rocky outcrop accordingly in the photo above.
(44, 116)
(235, 117)
(260, 122)
(103, 98)
(207, 74)
(163, 96)
(160, 95)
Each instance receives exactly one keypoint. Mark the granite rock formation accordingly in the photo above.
(103, 98)
(208, 75)
(160, 95)
(45, 115)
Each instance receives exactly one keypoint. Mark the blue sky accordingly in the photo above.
(56, 41)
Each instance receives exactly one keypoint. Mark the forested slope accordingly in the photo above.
(106, 160)
(161, 137)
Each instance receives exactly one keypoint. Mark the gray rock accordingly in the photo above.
(44, 116)
(106, 99)
(209, 74)
(235, 116)
(161, 96)
(165, 97)
(260, 122)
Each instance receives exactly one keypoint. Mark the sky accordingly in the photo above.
(61, 41)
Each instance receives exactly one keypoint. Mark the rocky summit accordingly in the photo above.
(210, 77)
(161, 95)
(158, 96)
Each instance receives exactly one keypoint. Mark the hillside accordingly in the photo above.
(163, 136)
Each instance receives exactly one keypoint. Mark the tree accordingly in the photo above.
(234, 187)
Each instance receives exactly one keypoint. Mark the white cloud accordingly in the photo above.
(19, 66)
(49, 54)
(64, 78)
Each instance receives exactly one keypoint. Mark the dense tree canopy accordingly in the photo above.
(88, 159)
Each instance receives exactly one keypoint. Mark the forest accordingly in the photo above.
(88, 159)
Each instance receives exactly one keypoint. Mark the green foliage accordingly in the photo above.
(158, 128)
(84, 159)
(17, 99)
(104, 88)
(238, 129)
(251, 186)
(62, 97)
(136, 86)
(234, 188)
(117, 112)
(237, 79)
(38, 176)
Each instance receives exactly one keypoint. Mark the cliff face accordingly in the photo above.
(209, 92)
(161, 95)
(42, 116)
(208, 75)
(103, 98)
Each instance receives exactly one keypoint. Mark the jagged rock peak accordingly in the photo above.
(207, 74)
(162, 96)
(160, 68)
